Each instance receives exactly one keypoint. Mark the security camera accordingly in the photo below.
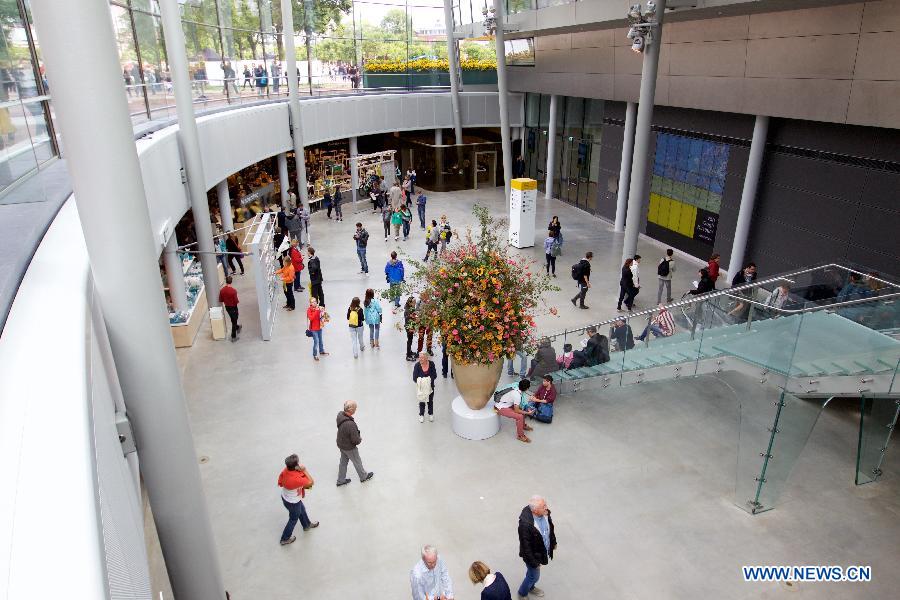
(635, 12)
(651, 9)
(631, 33)
(637, 45)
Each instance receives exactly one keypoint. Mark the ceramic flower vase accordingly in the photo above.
(477, 382)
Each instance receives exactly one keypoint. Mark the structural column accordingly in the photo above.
(189, 140)
(354, 169)
(103, 165)
(637, 191)
(439, 157)
(551, 146)
(225, 205)
(290, 52)
(625, 168)
(503, 96)
(175, 274)
(453, 63)
(283, 180)
(748, 196)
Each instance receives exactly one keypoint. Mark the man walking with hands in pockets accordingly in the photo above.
(537, 541)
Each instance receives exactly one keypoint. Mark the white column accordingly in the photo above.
(189, 140)
(438, 137)
(290, 52)
(103, 165)
(283, 179)
(175, 274)
(503, 96)
(453, 62)
(625, 168)
(637, 191)
(748, 196)
(354, 169)
(225, 205)
(551, 146)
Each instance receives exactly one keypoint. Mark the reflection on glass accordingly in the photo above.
(520, 52)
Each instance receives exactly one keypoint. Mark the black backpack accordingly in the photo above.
(577, 271)
(663, 269)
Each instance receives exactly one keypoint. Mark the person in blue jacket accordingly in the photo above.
(394, 275)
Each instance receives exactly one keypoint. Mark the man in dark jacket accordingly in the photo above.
(595, 352)
(348, 438)
(537, 541)
(315, 276)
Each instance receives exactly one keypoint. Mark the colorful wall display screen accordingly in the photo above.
(687, 185)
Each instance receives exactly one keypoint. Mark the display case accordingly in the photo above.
(185, 324)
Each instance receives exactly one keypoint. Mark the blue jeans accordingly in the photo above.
(374, 330)
(531, 578)
(361, 253)
(317, 339)
(421, 209)
(651, 328)
(405, 229)
(523, 364)
(296, 512)
(395, 291)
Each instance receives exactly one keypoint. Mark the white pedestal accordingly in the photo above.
(522, 201)
(474, 424)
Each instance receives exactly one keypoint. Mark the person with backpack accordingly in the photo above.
(294, 223)
(355, 320)
(626, 286)
(394, 275)
(552, 249)
(372, 312)
(296, 258)
(406, 216)
(664, 271)
(361, 237)
(543, 400)
(336, 202)
(432, 238)
(581, 273)
(386, 214)
(556, 228)
(446, 233)
(315, 276)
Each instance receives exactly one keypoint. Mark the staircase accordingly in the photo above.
(802, 354)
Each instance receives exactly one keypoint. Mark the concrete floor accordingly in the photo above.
(640, 481)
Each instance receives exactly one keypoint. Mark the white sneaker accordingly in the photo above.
(421, 419)
(431, 418)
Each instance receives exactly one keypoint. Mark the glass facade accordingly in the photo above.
(236, 49)
(27, 140)
(578, 132)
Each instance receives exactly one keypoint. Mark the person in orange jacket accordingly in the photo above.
(287, 274)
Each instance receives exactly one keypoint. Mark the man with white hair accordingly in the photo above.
(348, 438)
(429, 578)
(537, 541)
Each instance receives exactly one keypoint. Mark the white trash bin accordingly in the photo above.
(217, 322)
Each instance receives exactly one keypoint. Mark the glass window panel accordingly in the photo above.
(199, 11)
(520, 52)
(517, 6)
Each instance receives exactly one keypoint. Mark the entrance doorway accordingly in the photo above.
(575, 185)
(485, 170)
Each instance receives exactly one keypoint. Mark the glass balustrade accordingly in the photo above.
(799, 338)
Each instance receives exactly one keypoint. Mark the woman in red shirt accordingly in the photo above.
(713, 268)
(294, 480)
(315, 317)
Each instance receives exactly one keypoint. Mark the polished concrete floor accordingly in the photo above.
(640, 480)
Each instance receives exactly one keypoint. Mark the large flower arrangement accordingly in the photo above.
(427, 65)
(479, 297)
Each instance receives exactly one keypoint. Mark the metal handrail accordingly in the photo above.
(747, 286)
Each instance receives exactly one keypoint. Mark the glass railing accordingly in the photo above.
(799, 339)
(159, 100)
(25, 139)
